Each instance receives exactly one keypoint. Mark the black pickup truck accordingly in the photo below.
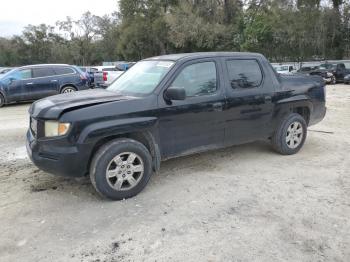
(171, 106)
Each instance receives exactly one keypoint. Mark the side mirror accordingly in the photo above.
(175, 93)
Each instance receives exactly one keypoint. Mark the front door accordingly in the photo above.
(249, 101)
(196, 123)
(18, 90)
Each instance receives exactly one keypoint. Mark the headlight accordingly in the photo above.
(329, 74)
(55, 128)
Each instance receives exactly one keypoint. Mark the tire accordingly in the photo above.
(2, 100)
(112, 173)
(290, 135)
(334, 80)
(68, 89)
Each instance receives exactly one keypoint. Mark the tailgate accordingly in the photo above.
(98, 78)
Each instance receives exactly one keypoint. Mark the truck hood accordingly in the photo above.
(54, 106)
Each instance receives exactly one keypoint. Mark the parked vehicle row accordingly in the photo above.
(170, 106)
(30, 83)
(331, 73)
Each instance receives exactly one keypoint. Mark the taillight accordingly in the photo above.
(105, 76)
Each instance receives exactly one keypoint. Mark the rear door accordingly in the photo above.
(66, 75)
(249, 101)
(45, 82)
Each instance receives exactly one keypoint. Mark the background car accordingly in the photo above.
(331, 72)
(107, 74)
(5, 70)
(306, 70)
(33, 82)
(347, 79)
(285, 69)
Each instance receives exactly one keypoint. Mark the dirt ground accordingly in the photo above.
(244, 203)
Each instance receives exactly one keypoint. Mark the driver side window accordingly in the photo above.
(25, 73)
(19, 75)
(197, 79)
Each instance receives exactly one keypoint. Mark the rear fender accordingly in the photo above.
(286, 106)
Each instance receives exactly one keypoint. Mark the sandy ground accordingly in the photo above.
(244, 203)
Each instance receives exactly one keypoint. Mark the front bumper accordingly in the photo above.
(57, 158)
(327, 80)
(99, 85)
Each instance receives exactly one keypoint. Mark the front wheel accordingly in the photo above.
(2, 100)
(121, 169)
(290, 135)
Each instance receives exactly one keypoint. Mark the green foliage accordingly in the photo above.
(280, 29)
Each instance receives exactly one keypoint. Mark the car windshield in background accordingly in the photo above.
(142, 78)
(12, 74)
(281, 68)
(327, 66)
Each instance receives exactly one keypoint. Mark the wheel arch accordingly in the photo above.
(66, 85)
(304, 111)
(302, 106)
(144, 137)
(4, 96)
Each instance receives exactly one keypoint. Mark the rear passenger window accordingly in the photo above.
(244, 73)
(64, 70)
(43, 72)
(197, 79)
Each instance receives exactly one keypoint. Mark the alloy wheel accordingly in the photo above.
(294, 136)
(125, 171)
(68, 90)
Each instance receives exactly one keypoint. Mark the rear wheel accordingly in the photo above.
(2, 100)
(68, 89)
(334, 80)
(121, 169)
(290, 135)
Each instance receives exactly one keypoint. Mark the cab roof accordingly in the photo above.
(44, 65)
(182, 56)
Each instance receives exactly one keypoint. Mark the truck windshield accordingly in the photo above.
(142, 78)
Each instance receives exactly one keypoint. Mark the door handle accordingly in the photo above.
(29, 84)
(53, 81)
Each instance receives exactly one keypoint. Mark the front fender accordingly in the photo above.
(99, 130)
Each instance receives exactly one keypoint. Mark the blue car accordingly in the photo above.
(33, 82)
